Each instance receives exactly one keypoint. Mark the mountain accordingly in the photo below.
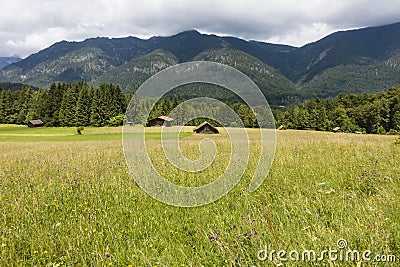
(354, 47)
(363, 60)
(5, 61)
(138, 70)
(276, 87)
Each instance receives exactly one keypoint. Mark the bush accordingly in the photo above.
(392, 132)
(381, 130)
(79, 129)
(117, 120)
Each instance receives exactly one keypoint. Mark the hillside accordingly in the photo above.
(138, 69)
(276, 87)
(5, 61)
(364, 60)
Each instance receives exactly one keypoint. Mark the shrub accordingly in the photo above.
(79, 129)
(117, 120)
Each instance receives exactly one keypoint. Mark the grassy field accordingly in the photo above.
(70, 203)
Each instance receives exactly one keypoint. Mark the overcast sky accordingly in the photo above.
(27, 26)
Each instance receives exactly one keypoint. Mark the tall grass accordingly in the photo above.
(74, 204)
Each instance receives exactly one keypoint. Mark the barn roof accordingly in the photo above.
(36, 122)
(201, 125)
(198, 127)
(165, 118)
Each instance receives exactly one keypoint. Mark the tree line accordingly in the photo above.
(76, 104)
(377, 113)
(80, 104)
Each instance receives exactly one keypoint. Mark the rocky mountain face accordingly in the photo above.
(364, 61)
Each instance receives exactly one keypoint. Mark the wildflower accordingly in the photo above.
(94, 230)
(3, 245)
(110, 264)
(213, 239)
(107, 255)
(215, 231)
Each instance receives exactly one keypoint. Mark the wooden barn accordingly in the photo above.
(337, 130)
(35, 123)
(205, 127)
(281, 128)
(160, 121)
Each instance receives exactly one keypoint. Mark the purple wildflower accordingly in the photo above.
(213, 239)
(215, 231)
(107, 255)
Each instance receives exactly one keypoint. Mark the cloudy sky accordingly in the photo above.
(27, 26)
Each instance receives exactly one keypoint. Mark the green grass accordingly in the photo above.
(19, 133)
(73, 203)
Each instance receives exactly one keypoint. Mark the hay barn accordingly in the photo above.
(160, 121)
(205, 127)
(337, 130)
(35, 123)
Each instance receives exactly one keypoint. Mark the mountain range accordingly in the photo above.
(362, 61)
(5, 61)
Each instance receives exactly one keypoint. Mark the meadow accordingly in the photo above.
(69, 200)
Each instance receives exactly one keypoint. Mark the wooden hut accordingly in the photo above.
(160, 121)
(281, 128)
(337, 130)
(205, 127)
(35, 123)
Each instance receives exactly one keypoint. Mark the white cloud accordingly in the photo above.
(28, 26)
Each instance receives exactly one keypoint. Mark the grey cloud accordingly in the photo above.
(28, 26)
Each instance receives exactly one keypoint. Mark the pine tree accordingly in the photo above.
(21, 105)
(83, 106)
(96, 113)
(52, 104)
(68, 106)
(36, 107)
(5, 105)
